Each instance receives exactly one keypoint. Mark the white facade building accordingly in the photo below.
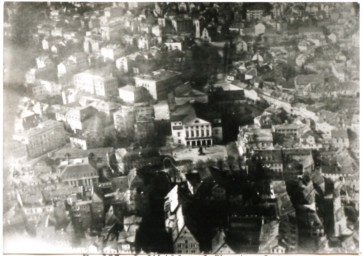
(127, 93)
(194, 132)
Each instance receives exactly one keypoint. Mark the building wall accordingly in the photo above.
(124, 120)
(46, 88)
(88, 181)
(73, 119)
(286, 131)
(178, 133)
(95, 84)
(158, 89)
(340, 142)
(186, 243)
(126, 96)
(46, 140)
(217, 134)
(78, 143)
(254, 14)
(150, 85)
(84, 82)
(193, 134)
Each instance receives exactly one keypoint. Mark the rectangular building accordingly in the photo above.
(159, 83)
(252, 138)
(182, 239)
(39, 140)
(96, 82)
(191, 131)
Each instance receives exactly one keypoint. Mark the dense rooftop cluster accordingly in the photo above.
(183, 127)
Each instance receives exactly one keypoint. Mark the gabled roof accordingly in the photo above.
(97, 198)
(268, 236)
(183, 111)
(219, 242)
(79, 170)
(190, 119)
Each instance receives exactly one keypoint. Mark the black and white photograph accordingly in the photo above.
(181, 128)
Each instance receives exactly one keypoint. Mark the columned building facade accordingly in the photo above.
(193, 133)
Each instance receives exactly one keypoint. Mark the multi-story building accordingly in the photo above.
(43, 88)
(130, 63)
(35, 213)
(144, 127)
(75, 117)
(127, 93)
(93, 43)
(254, 14)
(192, 132)
(182, 25)
(189, 129)
(74, 63)
(159, 83)
(253, 137)
(339, 217)
(94, 82)
(219, 244)
(112, 52)
(110, 28)
(39, 140)
(286, 129)
(270, 159)
(340, 138)
(124, 119)
(106, 108)
(79, 172)
(162, 111)
(182, 239)
(44, 61)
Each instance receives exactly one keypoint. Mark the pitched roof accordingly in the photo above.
(340, 133)
(311, 78)
(268, 236)
(120, 183)
(73, 153)
(310, 29)
(129, 88)
(79, 170)
(286, 126)
(269, 156)
(97, 198)
(183, 111)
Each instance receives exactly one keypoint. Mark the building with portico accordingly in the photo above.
(194, 129)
